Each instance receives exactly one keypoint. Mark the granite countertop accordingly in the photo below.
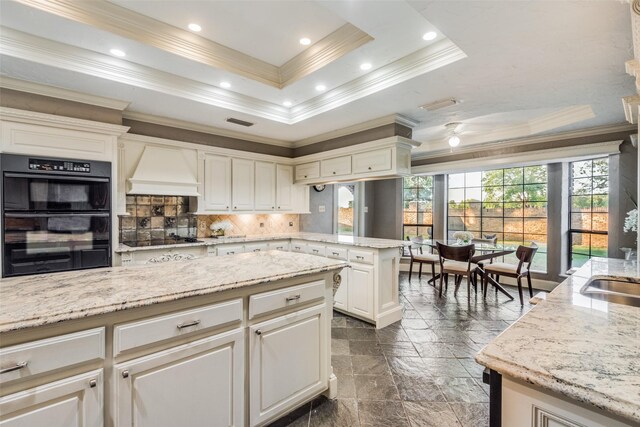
(583, 348)
(367, 242)
(37, 300)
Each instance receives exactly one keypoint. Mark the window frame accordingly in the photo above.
(417, 211)
(571, 231)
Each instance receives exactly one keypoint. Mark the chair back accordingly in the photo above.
(415, 245)
(455, 253)
(525, 254)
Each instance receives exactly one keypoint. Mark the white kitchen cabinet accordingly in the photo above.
(372, 161)
(308, 171)
(192, 385)
(256, 247)
(217, 183)
(341, 298)
(361, 290)
(279, 245)
(335, 167)
(288, 362)
(265, 186)
(284, 187)
(243, 184)
(75, 401)
(230, 249)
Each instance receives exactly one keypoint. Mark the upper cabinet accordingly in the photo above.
(242, 184)
(217, 178)
(284, 187)
(265, 186)
(385, 158)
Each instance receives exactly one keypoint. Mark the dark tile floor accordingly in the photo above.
(417, 372)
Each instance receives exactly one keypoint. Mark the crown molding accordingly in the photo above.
(419, 62)
(62, 122)
(212, 130)
(488, 146)
(630, 105)
(133, 25)
(25, 46)
(60, 93)
(349, 130)
(32, 48)
(334, 46)
(549, 155)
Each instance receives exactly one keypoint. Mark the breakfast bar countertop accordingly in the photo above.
(367, 242)
(583, 348)
(37, 300)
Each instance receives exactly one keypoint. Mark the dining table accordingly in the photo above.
(485, 252)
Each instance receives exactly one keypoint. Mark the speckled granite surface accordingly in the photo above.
(38, 300)
(366, 242)
(583, 348)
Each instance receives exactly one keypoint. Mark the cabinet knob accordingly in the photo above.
(235, 207)
(274, 207)
(305, 176)
(93, 382)
(227, 207)
(125, 374)
(334, 172)
(278, 207)
(258, 332)
(369, 168)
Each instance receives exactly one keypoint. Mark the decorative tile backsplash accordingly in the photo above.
(250, 224)
(156, 218)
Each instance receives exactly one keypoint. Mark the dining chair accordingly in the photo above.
(421, 258)
(525, 256)
(456, 260)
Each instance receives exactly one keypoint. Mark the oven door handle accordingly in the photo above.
(54, 214)
(56, 177)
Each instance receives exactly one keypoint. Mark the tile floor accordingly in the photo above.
(417, 372)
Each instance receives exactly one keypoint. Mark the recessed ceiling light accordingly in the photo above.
(321, 88)
(305, 41)
(287, 103)
(195, 27)
(225, 85)
(365, 66)
(117, 52)
(454, 141)
(430, 35)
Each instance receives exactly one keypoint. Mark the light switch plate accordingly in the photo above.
(321, 208)
(366, 209)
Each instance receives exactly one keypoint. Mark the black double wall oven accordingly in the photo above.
(56, 214)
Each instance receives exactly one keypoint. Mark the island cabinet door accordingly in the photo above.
(75, 401)
(289, 362)
(196, 384)
(360, 290)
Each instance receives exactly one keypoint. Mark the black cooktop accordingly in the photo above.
(162, 242)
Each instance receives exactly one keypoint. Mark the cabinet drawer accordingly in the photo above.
(137, 334)
(37, 357)
(283, 298)
(298, 246)
(308, 171)
(279, 246)
(337, 166)
(365, 257)
(316, 250)
(379, 160)
(256, 247)
(230, 250)
(336, 253)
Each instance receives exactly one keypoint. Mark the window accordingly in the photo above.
(417, 207)
(346, 215)
(510, 204)
(589, 222)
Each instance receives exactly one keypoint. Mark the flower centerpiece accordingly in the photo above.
(219, 228)
(631, 222)
(463, 236)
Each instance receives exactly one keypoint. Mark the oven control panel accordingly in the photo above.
(59, 166)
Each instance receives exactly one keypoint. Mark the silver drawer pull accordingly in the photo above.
(187, 324)
(230, 253)
(93, 382)
(335, 253)
(256, 250)
(359, 257)
(315, 251)
(15, 367)
(293, 298)
(125, 374)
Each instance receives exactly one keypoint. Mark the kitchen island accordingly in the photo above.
(369, 291)
(572, 360)
(240, 340)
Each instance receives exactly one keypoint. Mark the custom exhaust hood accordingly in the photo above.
(164, 171)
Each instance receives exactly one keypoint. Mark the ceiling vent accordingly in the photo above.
(239, 122)
(442, 103)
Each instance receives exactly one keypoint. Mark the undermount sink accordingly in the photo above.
(613, 290)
